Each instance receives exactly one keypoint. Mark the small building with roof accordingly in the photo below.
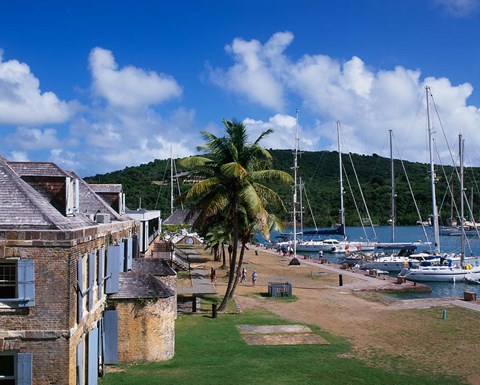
(150, 226)
(145, 311)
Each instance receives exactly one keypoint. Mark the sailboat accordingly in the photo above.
(448, 272)
(395, 255)
(332, 245)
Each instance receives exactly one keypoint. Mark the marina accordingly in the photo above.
(413, 234)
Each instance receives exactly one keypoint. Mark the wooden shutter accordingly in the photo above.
(80, 363)
(93, 356)
(79, 290)
(26, 282)
(24, 369)
(113, 255)
(110, 323)
(91, 279)
(100, 272)
(121, 259)
(101, 347)
(128, 253)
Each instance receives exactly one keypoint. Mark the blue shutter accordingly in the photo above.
(26, 283)
(113, 254)
(93, 356)
(121, 258)
(91, 279)
(101, 347)
(80, 363)
(110, 324)
(100, 272)
(24, 369)
(79, 290)
(128, 253)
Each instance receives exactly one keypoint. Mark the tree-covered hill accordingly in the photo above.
(149, 185)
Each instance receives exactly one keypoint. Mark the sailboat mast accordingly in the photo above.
(462, 219)
(340, 165)
(436, 232)
(392, 182)
(295, 167)
(300, 192)
(171, 181)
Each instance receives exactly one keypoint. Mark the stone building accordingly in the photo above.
(143, 311)
(62, 249)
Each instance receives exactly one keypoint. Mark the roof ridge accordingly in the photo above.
(27, 191)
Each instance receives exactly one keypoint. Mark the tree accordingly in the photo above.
(232, 187)
(246, 236)
(216, 238)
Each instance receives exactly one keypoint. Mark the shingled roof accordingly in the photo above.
(37, 169)
(21, 206)
(24, 205)
(141, 286)
(179, 217)
(154, 266)
(106, 188)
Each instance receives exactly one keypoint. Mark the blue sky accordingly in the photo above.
(96, 86)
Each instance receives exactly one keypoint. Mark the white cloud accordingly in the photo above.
(368, 101)
(458, 8)
(129, 86)
(18, 156)
(68, 160)
(284, 132)
(115, 139)
(254, 74)
(34, 138)
(21, 100)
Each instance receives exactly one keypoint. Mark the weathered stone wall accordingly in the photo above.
(49, 330)
(171, 282)
(146, 330)
(50, 357)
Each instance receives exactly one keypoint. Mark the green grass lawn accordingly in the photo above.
(211, 351)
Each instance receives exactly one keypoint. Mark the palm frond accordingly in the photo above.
(234, 170)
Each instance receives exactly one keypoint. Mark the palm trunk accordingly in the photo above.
(223, 256)
(239, 271)
(230, 251)
(216, 253)
(233, 262)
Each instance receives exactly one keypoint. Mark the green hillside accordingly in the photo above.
(319, 173)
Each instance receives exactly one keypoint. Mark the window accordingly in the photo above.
(17, 283)
(15, 368)
(7, 369)
(8, 280)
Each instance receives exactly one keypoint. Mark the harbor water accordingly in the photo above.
(448, 244)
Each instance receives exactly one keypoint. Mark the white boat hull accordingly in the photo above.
(398, 265)
(440, 274)
(335, 247)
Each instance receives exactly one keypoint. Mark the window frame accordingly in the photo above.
(14, 377)
(10, 263)
(25, 284)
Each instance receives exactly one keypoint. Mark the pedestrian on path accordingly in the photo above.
(254, 277)
(243, 277)
(213, 275)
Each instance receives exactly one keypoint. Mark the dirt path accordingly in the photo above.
(375, 325)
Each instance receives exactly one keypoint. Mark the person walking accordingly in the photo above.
(243, 277)
(254, 277)
(213, 275)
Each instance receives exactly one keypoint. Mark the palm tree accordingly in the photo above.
(246, 236)
(233, 173)
(216, 238)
